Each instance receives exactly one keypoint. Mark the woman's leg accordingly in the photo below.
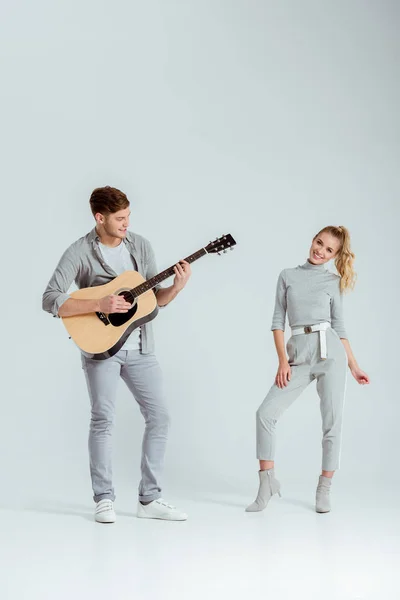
(276, 402)
(266, 464)
(331, 385)
(328, 474)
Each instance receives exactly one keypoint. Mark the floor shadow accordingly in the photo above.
(237, 502)
(85, 512)
(295, 502)
(202, 498)
(122, 513)
(53, 508)
(74, 510)
(242, 504)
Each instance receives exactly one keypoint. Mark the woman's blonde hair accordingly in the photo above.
(345, 257)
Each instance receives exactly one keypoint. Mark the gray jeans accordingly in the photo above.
(142, 375)
(307, 366)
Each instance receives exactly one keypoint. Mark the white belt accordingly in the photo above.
(321, 327)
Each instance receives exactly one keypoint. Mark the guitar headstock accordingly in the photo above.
(222, 244)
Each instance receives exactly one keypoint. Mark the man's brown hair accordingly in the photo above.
(107, 200)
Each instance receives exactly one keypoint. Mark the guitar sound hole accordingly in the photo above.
(118, 319)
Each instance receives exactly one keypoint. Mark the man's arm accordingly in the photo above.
(60, 304)
(182, 274)
(55, 294)
(107, 304)
(73, 306)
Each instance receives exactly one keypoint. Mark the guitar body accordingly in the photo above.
(100, 336)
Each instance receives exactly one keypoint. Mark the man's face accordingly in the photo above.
(115, 224)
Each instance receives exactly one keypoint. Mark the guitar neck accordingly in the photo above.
(157, 279)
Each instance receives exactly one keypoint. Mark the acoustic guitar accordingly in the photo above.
(99, 335)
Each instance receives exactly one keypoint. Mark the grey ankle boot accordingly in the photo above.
(268, 487)
(323, 503)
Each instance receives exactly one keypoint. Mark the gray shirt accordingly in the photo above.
(309, 294)
(84, 264)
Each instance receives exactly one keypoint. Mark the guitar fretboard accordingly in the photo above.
(150, 283)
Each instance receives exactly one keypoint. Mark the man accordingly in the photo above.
(95, 259)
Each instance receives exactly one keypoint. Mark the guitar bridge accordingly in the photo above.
(103, 318)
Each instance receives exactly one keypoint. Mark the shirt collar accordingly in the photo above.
(93, 237)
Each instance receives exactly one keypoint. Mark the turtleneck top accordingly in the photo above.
(309, 294)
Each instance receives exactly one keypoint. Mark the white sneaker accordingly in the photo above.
(159, 509)
(105, 511)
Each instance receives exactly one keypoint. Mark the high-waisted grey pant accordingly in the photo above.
(142, 375)
(306, 365)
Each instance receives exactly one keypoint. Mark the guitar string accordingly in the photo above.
(148, 285)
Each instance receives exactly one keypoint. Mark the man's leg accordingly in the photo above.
(102, 378)
(142, 374)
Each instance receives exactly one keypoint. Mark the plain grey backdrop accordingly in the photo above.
(268, 120)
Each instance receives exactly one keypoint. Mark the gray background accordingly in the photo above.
(268, 120)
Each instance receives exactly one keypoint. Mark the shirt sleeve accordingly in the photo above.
(279, 316)
(337, 320)
(65, 273)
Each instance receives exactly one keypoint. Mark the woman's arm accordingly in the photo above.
(284, 372)
(279, 316)
(357, 373)
(278, 327)
(279, 339)
(338, 326)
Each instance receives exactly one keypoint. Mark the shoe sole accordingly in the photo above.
(107, 521)
(161, 518)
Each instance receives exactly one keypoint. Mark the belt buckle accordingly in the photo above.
(308, 329)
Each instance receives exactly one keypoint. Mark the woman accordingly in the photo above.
(318, 349)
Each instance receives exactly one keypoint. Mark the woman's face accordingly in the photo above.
(324, 247)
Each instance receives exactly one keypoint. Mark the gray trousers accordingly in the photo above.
(306, 365)
(142, 375)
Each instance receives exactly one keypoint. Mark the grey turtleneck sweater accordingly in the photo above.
(310, 294)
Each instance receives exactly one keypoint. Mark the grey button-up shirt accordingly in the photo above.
(84, 264)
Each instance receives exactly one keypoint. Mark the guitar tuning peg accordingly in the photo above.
(225, 251)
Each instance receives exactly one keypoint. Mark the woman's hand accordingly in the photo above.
(283, 375)
(361, 377)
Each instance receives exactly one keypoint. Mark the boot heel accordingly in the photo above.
(279, 494)
(268, 487)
